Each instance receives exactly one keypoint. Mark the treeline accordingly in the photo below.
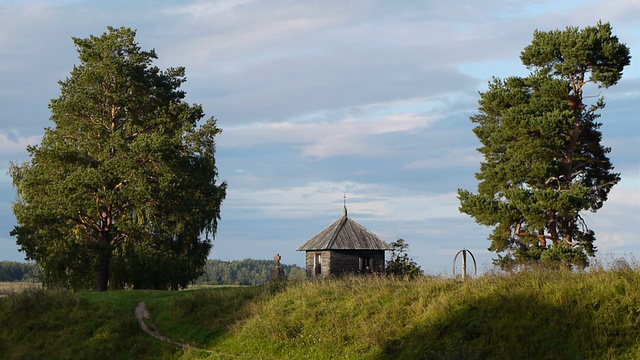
(245, 272)
(16, 271)
(216, 272)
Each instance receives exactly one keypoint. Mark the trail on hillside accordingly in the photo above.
(142, 314)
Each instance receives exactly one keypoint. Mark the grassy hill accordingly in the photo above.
(534, 314)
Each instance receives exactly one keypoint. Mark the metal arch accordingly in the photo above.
(464, 262)
(455, 258)
(475, 265)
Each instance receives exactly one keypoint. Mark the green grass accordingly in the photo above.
(535, 314)
(37, 323)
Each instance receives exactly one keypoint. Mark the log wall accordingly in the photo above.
(341, 262)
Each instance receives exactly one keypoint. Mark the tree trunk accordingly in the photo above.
(103, 274)
(104, 259)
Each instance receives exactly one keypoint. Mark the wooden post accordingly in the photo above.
(464, 263)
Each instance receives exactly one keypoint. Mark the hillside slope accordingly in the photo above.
(541, 314)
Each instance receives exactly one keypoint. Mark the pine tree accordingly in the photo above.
(544, 163)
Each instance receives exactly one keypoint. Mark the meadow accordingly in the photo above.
(8, 287)
(540, 314)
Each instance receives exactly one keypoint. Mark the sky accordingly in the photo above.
(324, 99)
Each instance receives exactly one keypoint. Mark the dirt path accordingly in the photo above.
(142, 314)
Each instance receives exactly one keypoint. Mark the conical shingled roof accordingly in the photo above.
(345, 234)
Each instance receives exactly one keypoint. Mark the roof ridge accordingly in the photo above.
(334, 237)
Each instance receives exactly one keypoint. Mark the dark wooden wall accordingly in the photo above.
(339, 262)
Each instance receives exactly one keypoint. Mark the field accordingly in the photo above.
(533, 314)
(16, 286)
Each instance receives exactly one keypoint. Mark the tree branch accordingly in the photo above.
(541, 237)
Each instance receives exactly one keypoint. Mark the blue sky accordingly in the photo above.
(323, 98)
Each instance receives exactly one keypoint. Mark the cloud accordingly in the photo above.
(13, 18)
(331, 59)
(442, 158)
(373, 201)
(205, 9)
(621, 13)
(12, 143)
(235, 29)
(316, 99)
(351, 136)
(622, 207)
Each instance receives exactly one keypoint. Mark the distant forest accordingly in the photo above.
(216, 272)
(245, 272)
(17, 271)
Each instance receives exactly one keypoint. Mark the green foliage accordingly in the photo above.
(544, 163)
(16, 271)
(245, 272)
(123, 186)
(575, 52)
(400, 264)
